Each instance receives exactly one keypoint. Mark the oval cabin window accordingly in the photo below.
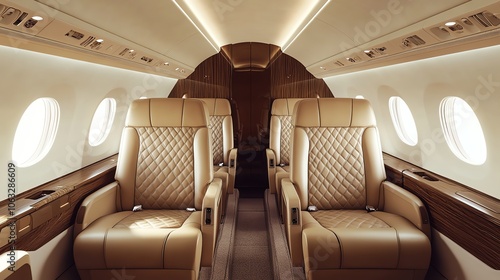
(403, 121)
(102, 121)
(36, 132)
(462, 130)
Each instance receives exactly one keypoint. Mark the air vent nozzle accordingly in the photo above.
(75, 34)
(413, 41)
(338, 63)
(87, 41)
(486, 19)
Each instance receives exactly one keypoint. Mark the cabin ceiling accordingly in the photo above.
(315, 32)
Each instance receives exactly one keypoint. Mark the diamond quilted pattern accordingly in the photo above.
(217, 138)
(148, 219)
(286, 132)
(347, 219)
(336, 168)
(165, 177)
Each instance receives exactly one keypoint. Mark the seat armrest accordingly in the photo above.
(223, 174)
(210, 220)
(232, 167)
(15, 264)
(401, 202)
(98, 204)
(292, 219)
(271, 170)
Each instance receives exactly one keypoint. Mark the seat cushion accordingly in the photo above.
(356, 239)
(152, 239)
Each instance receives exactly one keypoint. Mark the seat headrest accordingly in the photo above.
(333, 112)
(167, 112)
(284, 106)
(217, 106)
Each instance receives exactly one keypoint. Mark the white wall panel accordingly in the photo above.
(79, 87)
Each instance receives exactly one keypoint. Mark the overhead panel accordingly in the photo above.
(148, 36)
(156, 25)
(355, 22)
(312, 47)
(403, 43)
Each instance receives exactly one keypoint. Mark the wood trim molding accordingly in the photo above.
(469, 218)
(40, 220)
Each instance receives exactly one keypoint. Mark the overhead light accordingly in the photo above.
(37, 18)
(450, 23)
(196, 22)
(207, 20)
(99, 40)
(368, 51)
(299, 29)
(166, 64)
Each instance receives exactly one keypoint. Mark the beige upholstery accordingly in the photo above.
(15, 265)
(278, 154)
(222, 137)
(279, 138)
(221, 124)
(337, 167)
(164, 165)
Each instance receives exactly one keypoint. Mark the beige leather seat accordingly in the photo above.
(164, 165)
(278, 154)
(224, 153)
(337, 167)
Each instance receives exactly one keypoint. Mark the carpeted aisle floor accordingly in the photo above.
(251, 248)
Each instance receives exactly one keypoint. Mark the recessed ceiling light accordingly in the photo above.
(166, 63)
(450, 23)
(99, 40)
(367, 51)
(37, 18)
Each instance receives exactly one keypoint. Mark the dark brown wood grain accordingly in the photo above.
(471, 225)
(83, 182)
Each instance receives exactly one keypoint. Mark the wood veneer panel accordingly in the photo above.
(79, 184)
(464, 215)
(470, 225)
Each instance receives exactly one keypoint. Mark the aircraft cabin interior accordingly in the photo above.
(249, 139)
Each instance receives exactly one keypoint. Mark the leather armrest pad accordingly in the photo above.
(290, 199)
(212, 200)
(233, 154)
(100, 203)
(403, 203)
(293, 221)
(213, 196)
(223, 176)
(271, 170)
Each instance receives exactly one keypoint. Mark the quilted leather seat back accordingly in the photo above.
(336, 155)
(221, 125)
(165, 156)
(281, 128)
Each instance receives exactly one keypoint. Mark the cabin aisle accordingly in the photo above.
(251, 247)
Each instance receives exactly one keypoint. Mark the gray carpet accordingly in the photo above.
(251, 258)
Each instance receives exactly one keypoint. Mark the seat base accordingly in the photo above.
(137, 274)
(341, 242)
(372, 274)
(150, 242)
